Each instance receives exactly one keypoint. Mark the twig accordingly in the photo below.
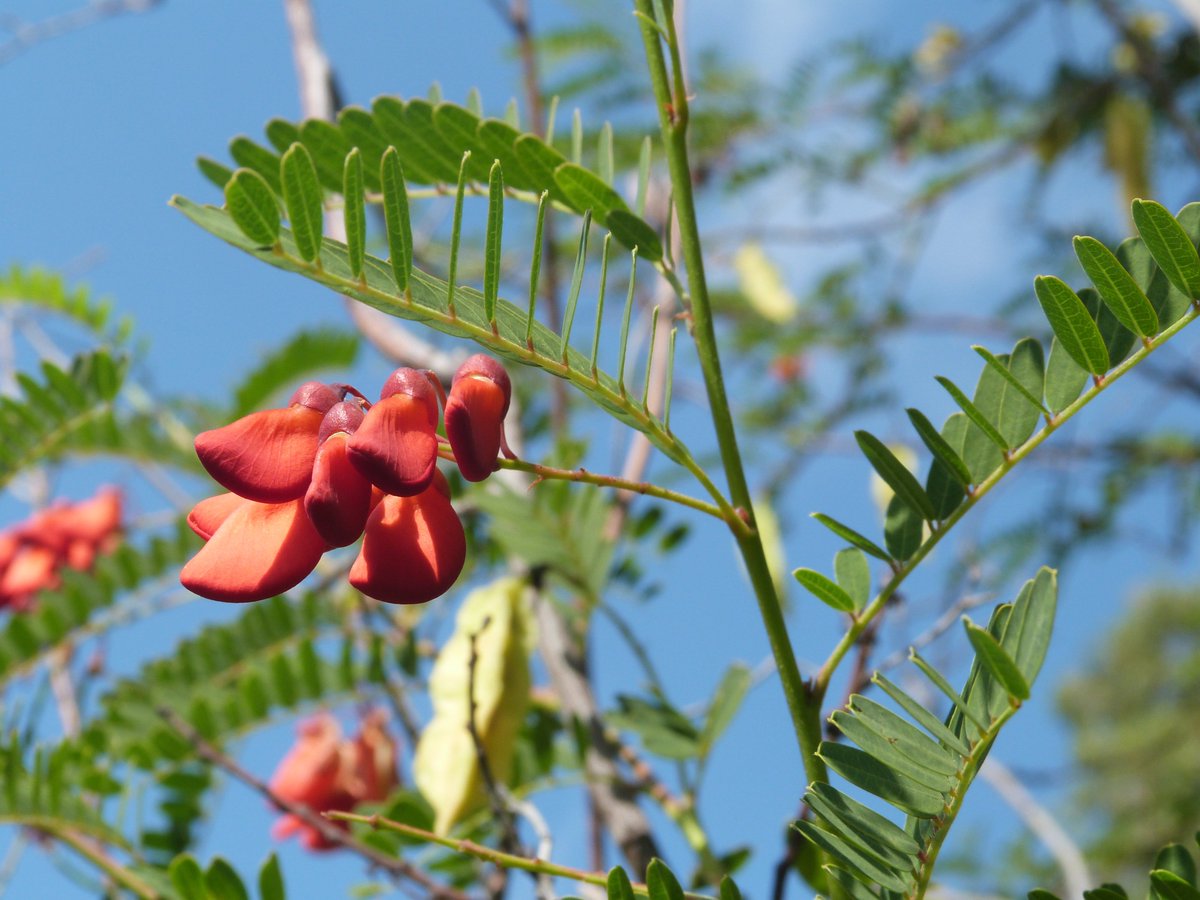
(398, 868)
(1076, 877)
(26, 34)
(599, 879)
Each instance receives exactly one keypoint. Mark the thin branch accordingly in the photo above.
(27, 34)
(398, 868)
(600, 879)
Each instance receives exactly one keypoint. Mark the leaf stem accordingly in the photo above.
(825, 673)
(616, 482)
(507, 860)
(672, 106)
(101, 860)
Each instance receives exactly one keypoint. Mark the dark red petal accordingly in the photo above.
(483, 366)
(315, 395)
(413, 383)
(266, 456)
(261, 550)
(207, 515)
(345, 416)
(395, 448)
(339, 498)
(474, 420)
(413, 550)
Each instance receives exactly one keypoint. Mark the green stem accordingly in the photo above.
(981, 490)
(507, 860)
(114, 870)
(673, 120)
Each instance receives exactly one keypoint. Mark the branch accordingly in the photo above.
(397, 868)
(540, 866)
(26, 35)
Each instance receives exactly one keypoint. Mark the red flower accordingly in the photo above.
(324, 772)
(475, 412)
(64, 534)
(395, 447)
(413, 549)
(338, 499)
(268, 456)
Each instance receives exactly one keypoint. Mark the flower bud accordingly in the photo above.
(475, 410)
(395, 447)
(338, 499)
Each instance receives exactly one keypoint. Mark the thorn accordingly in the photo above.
(535, 483)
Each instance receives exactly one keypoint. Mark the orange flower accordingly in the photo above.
(257, 551)
(413, 549)
(475, 411)
(64, 534)
(268, 456)
(324, 772)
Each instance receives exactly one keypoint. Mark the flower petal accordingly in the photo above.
(338, 500)
(266, 456)
(413, 549)
(395, 447)
(474, 422)
(260, 550)
(207, 515)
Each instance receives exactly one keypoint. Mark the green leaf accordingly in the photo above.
(427, 304)
(852, 888)
(1116, 287)
(886, 751)
(302, 197)
(586, 190)
(848, 534)
(904, 736)
(895, 474)
(1170, 246)
(1041, 894)
(619, 887)
(903, 529)
(945, 491)
(1175, 858)
(931, 723)
(222, 881)
(421, 164)
(726, 701)
(270, 880)
(188, 878)
(993, 658)
(874, 777)
(1169, 886)
(458, 127)
(825, 590)
(939, 447)
(396, 219)
(634, 232)
(495, 226)
(869, 828)
(1106, 892)
(1071, 323)
(282, 134)
(661, 883)
(853, 574)
(729, 890)
(250, 155)
(353, 213)
(252, 205)
(327, 148)
(214, 171)
(1002, 369)
(361, 132)
(859, 860)
(444, 157)
(1065, 379)
(1027, 633)
(978, 419)
(1118, 340)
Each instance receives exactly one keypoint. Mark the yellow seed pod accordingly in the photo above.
(446, 766)
(762, 284)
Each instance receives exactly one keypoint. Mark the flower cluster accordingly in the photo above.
(70, 535)
(325, 772)
(332, 467)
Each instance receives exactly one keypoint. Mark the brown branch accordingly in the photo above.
(397, 868)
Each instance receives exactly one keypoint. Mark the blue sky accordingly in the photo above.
(103, 126)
